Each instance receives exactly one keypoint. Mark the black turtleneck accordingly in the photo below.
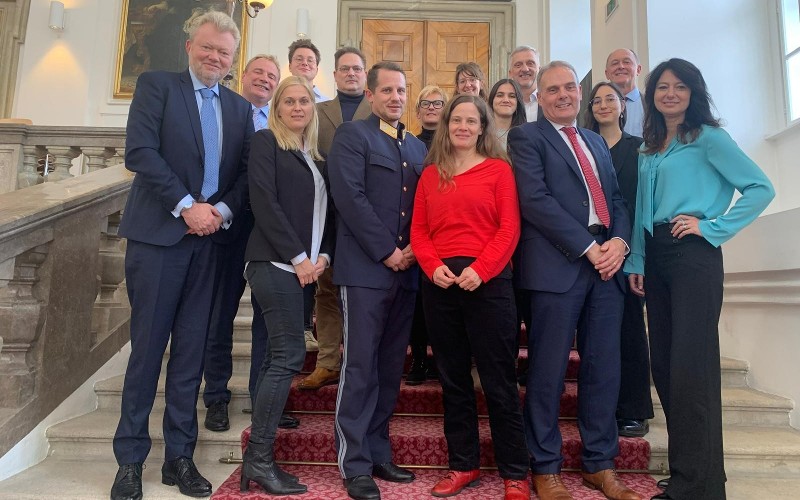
(426, 136)
(349, 104)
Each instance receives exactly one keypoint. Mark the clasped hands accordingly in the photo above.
(202, 218)
(608, 257)
(400, 260)
(307, 272)
(468, 279)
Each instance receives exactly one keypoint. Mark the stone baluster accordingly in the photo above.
(63, 156)
(29, 176)
(117, 158)
(110, 307)
(97, 157)
(20, 324)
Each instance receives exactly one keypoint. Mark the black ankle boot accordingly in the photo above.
(416, 375)
(259, 466)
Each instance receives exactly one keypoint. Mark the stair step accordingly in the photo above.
(749, 450)
(740, 405)
(419, 441)
(424, 399)
(82, 479)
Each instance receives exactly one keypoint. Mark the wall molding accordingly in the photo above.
(779, 288)
(13, 26)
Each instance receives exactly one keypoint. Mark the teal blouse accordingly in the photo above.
(698, 179)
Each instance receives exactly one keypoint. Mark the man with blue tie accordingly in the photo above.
(188, 141)
(573, 243)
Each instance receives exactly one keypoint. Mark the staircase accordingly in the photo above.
(762, 452)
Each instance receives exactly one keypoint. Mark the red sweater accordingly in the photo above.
(477, 217)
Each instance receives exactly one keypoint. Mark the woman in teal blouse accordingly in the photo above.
(688, 171)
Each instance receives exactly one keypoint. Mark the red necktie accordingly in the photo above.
(595, 189)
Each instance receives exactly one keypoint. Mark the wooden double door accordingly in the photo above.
(428, 52)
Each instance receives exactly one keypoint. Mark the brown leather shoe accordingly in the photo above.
(318, 378)
(609, 484)
(550, 487)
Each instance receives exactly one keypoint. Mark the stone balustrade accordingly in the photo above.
(68, 150)
(64, 310)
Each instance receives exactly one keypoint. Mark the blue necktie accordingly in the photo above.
(259, 119)
(208, 122)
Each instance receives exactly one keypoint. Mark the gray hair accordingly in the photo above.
(552, 65)
(221, 21)
(523, 48)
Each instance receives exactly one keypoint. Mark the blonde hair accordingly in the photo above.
(221, 21)
(286, 138)
(429, 90)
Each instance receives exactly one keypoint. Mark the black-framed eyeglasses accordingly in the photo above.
(609, 100)
(437, 104)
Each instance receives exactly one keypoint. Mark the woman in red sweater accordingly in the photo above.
(464, 229)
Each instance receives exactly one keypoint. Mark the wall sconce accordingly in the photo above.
(302, 23)
(56, 16)
(252, 7)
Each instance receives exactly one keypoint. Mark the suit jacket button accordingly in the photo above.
(585, 203)
(400, 238)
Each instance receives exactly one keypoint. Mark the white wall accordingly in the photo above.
(67, 78)
(571, 33)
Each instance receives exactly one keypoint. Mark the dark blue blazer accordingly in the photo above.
(373, 181)
(164, 146)
(554, 205)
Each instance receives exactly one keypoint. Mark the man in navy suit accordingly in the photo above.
(188, 140)
(374, 166)
(573, 243)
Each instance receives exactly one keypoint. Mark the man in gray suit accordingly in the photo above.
(350, 104)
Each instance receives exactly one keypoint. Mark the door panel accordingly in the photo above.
(428, 51)
(400, 42)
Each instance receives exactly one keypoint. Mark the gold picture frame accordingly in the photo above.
(153, 37)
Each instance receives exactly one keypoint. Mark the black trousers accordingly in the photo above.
(634, 400)
(419, 330)
(683, 285)
(479, 324)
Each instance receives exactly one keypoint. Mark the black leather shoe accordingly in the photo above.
(288, 422)
(217, 417)
(183, 472)
(128, 483)
(629, 427)
(663, 483)
(393, 473)
(362, 488)
(416, 375)
(661, 496)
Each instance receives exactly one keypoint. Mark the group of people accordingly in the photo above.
(502, 203)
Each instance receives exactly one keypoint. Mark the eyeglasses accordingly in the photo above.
(464, 81)
(608, 100)
(346, 69)
(437, 104)
(311, 61)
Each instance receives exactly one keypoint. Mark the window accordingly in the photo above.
(791, 55)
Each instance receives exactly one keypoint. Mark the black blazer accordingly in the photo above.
(164, 146)
(625, 157)
(282, 199)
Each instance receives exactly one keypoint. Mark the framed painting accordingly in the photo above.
(153, 36)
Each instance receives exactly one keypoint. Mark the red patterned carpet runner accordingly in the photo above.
(418, 440)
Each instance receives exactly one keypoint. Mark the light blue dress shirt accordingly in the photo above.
(634, 112)
(697, 179)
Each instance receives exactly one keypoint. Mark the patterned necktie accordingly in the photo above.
(595, 189)
(259, 119)
(208, 122)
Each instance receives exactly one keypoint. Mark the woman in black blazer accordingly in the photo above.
(289, 247)
(606, 116)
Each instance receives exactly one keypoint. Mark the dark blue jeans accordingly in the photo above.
(281, 298)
